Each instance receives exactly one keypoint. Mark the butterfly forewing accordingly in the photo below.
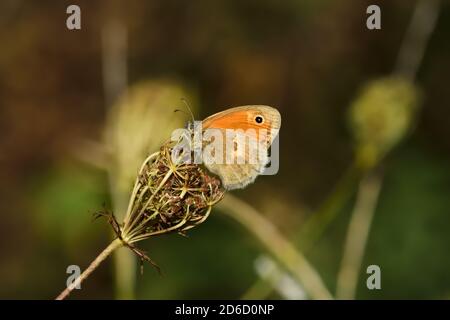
(240, 138)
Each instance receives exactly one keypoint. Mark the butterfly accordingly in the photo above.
(246, 131)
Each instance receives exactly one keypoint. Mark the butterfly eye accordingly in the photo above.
(259, 119)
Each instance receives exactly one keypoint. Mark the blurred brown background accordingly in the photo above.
(307, 58)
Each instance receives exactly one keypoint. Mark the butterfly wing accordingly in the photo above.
(240, 165)
(248, 155)
(243, 118)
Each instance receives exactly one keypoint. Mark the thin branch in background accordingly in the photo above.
(318, 223)
(284, 284)
(416, 38)
(277, 245)
(410, 56)
(273, 278)
(114, 60)
(259, 290)
(114, 48)
(357, 235)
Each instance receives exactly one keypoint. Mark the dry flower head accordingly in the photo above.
(167, 197)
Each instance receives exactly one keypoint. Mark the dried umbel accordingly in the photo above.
(168, 196)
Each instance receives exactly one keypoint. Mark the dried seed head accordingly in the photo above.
(169, 197)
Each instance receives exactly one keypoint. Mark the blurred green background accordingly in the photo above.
(60, 93)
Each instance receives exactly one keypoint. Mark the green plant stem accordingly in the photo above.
(125, 274)
(117, 243)
(357, 235)
(319, 222)
(261, 288)
(283, 250)
(414, 44)
(124, 260)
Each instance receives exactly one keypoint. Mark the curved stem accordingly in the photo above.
(318, 222)
(421, 26)
(274, 241)
(94, 264)
(357, 235)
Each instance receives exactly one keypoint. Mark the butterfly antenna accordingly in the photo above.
(186, 103)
